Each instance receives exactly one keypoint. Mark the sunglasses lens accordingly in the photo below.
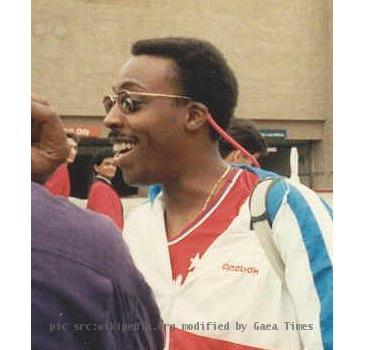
(126, 103)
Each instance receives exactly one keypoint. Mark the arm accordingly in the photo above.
(302, 232)
(78, 308)
(88, 294)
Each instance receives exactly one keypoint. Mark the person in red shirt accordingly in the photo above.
(102, 196)
(59, 183)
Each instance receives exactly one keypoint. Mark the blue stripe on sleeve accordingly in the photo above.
(319, 260)
(275, 198)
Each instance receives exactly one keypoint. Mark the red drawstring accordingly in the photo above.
(230, 140)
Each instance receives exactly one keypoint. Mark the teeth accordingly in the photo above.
(117, 147)
(122, 146)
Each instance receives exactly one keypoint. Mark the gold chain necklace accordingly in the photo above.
(212, 192)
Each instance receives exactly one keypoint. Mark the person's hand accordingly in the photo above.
(49, 142)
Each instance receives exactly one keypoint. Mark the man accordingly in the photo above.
(247, 135)
(213, 282)
(86, 292)
(102, 197)
(59, 183)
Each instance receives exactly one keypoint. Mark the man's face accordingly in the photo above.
(148, 141)
(106, 168)
(73, 150)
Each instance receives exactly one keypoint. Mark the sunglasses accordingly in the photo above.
(129, 101)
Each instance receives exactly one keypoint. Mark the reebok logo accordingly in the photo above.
(240, 268)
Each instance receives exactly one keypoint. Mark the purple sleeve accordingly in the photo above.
(74, 307)
(86, 291)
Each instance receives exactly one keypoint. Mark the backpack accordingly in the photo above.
(259, 220)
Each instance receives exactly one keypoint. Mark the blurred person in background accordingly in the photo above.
(247, 135)
(102, 196)
(59, 183)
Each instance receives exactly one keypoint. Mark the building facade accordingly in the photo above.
(281, 52)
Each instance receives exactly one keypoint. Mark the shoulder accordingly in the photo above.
(99, 188)
(61, 228)
(58, 179)
(61, 170)
(76, 253)
(145, 210)
(140, 218)
(258, 172)
(98, 185)
(300, 199)
(61, 174)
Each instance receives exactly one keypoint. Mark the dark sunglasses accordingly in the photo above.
(129, 105)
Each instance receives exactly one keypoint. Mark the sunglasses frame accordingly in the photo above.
(127, 93)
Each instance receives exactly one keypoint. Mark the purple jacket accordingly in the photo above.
(86, 291)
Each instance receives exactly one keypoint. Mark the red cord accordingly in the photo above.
(230, 140)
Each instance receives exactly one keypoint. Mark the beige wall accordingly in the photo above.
(279, 49)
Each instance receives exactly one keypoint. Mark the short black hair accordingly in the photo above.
(247, 135)
(73, 136)
(101, 155)
(203, 73)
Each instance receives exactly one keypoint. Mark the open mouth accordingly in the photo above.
(124, 145)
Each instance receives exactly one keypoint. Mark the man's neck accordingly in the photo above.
(185, 196)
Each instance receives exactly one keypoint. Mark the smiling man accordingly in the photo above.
(184, 239)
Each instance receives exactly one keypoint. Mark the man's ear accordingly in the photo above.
(96, 169)
(196, 117)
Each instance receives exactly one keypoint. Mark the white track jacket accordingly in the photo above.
(216, 289)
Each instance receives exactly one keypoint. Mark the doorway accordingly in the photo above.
(278, 159)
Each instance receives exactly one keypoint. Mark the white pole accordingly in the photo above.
(294, 165)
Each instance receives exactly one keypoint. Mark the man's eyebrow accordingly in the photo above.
(128, 85)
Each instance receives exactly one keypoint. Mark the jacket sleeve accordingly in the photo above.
(302, 232)
(76, 307)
